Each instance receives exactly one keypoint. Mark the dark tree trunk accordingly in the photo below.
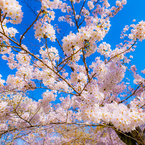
(134, 137)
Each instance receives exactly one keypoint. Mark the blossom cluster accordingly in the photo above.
(104, 49)
(123, 118)
(49, 53)
(138, 32)
(44, 30)
(47, 4)
(109, 77)
(86, 38)
(4, 41)
(12, 9)
(1, 81)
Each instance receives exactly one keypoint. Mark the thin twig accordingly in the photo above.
(130, 95)
(30, 26)
(121, 52)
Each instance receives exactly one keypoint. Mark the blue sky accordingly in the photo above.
(133, 10)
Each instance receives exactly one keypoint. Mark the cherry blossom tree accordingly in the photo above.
(81, 102)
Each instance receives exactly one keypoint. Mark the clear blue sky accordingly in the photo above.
(133, 10)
